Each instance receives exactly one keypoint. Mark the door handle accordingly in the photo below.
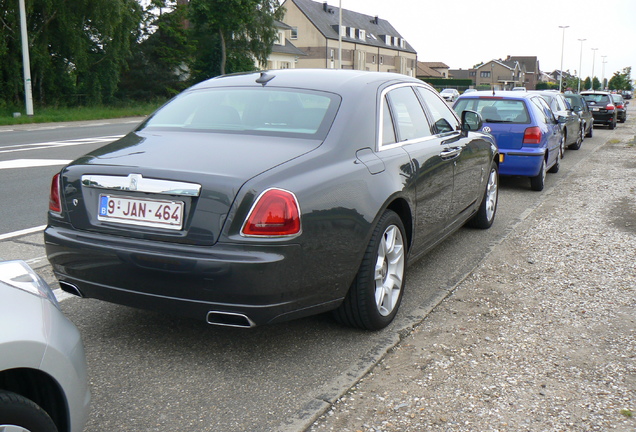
(450, 153)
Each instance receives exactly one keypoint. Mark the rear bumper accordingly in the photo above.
(524, 162)
(263, 283)
(603, 118)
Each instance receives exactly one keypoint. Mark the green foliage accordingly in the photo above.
(621, 80)
(547, 86)
(230, 34)
(448, 82)
(76, 47)
(160, 62)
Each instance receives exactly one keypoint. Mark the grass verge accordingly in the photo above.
(65, 114)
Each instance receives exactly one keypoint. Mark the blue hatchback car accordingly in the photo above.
(528, 134)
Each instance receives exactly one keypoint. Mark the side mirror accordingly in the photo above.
(562, 119)
(471, 121)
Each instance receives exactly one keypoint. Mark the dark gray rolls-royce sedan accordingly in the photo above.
(262, 197)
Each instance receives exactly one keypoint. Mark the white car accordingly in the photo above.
(449, 95)
(43, 376)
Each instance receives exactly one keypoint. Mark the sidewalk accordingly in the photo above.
(541, 337)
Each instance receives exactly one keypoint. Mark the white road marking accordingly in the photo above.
(55, 144)
(29, 163)
(22, 232)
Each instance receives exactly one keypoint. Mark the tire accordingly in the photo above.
(612, 125)
(23, 414)
(537, 183)
(376, 292)
(485, 216)
(590, 132)
(579, 141)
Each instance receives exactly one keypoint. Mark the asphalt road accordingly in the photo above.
(154, 372)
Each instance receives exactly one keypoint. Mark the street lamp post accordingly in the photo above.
(593, 61)
(580, 63)
(562, 46)
(603, 74)
(26, 63)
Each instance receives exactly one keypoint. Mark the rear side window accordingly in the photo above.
(494, 110)
(408, 115)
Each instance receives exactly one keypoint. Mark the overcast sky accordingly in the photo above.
(462, 33)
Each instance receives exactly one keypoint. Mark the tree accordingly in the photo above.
(596, 84)
(587, 84)
(621, 80)
(232, 34)
(75, 47)
(159, 66)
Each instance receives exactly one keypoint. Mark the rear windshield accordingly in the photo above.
(495, 110)
(594, 99)
(261, 111)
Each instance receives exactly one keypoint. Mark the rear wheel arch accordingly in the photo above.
(403, 210)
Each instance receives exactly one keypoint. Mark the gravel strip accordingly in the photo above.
(541, 337)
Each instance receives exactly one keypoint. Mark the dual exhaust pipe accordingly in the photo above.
(227, 319)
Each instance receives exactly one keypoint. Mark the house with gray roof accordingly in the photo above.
(362, 42)
(284, 53)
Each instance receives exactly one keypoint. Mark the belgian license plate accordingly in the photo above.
(595, 109)
(141, 212)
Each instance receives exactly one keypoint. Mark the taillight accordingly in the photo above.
(55, 203)
(610, 107)
(532, 135)
(276, 213)
(619, 106)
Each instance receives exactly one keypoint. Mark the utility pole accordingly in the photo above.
(26, 63)
(580, 64)
(562, 46)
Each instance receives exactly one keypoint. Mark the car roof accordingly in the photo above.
(502, 94)
(331, 80)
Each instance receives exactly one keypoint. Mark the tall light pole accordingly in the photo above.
(593, 60)
(562, 45)
(26, 63)
(580, 63)
(603, 75)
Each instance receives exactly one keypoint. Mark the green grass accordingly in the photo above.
(64, 114)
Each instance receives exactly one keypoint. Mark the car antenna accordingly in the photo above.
(265, 78)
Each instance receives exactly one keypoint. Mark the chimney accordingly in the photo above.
(375, 20)
(325, 6)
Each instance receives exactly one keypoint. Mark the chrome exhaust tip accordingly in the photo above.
(229, 319)
(70, 288)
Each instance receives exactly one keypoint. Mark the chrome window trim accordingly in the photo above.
(136, 182)
(379, 146)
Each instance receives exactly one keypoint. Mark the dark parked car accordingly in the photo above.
(570, 122)
(602, 107)
(263, 197)
(621, 107)
(529, 137)
(579, 106)
(43, 378)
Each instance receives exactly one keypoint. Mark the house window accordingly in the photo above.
(381, 59)
(472, 73)
(484, 74)
(373, 59)
(362, 34)
(294, 33)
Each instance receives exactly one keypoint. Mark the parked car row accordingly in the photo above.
(533, 128)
